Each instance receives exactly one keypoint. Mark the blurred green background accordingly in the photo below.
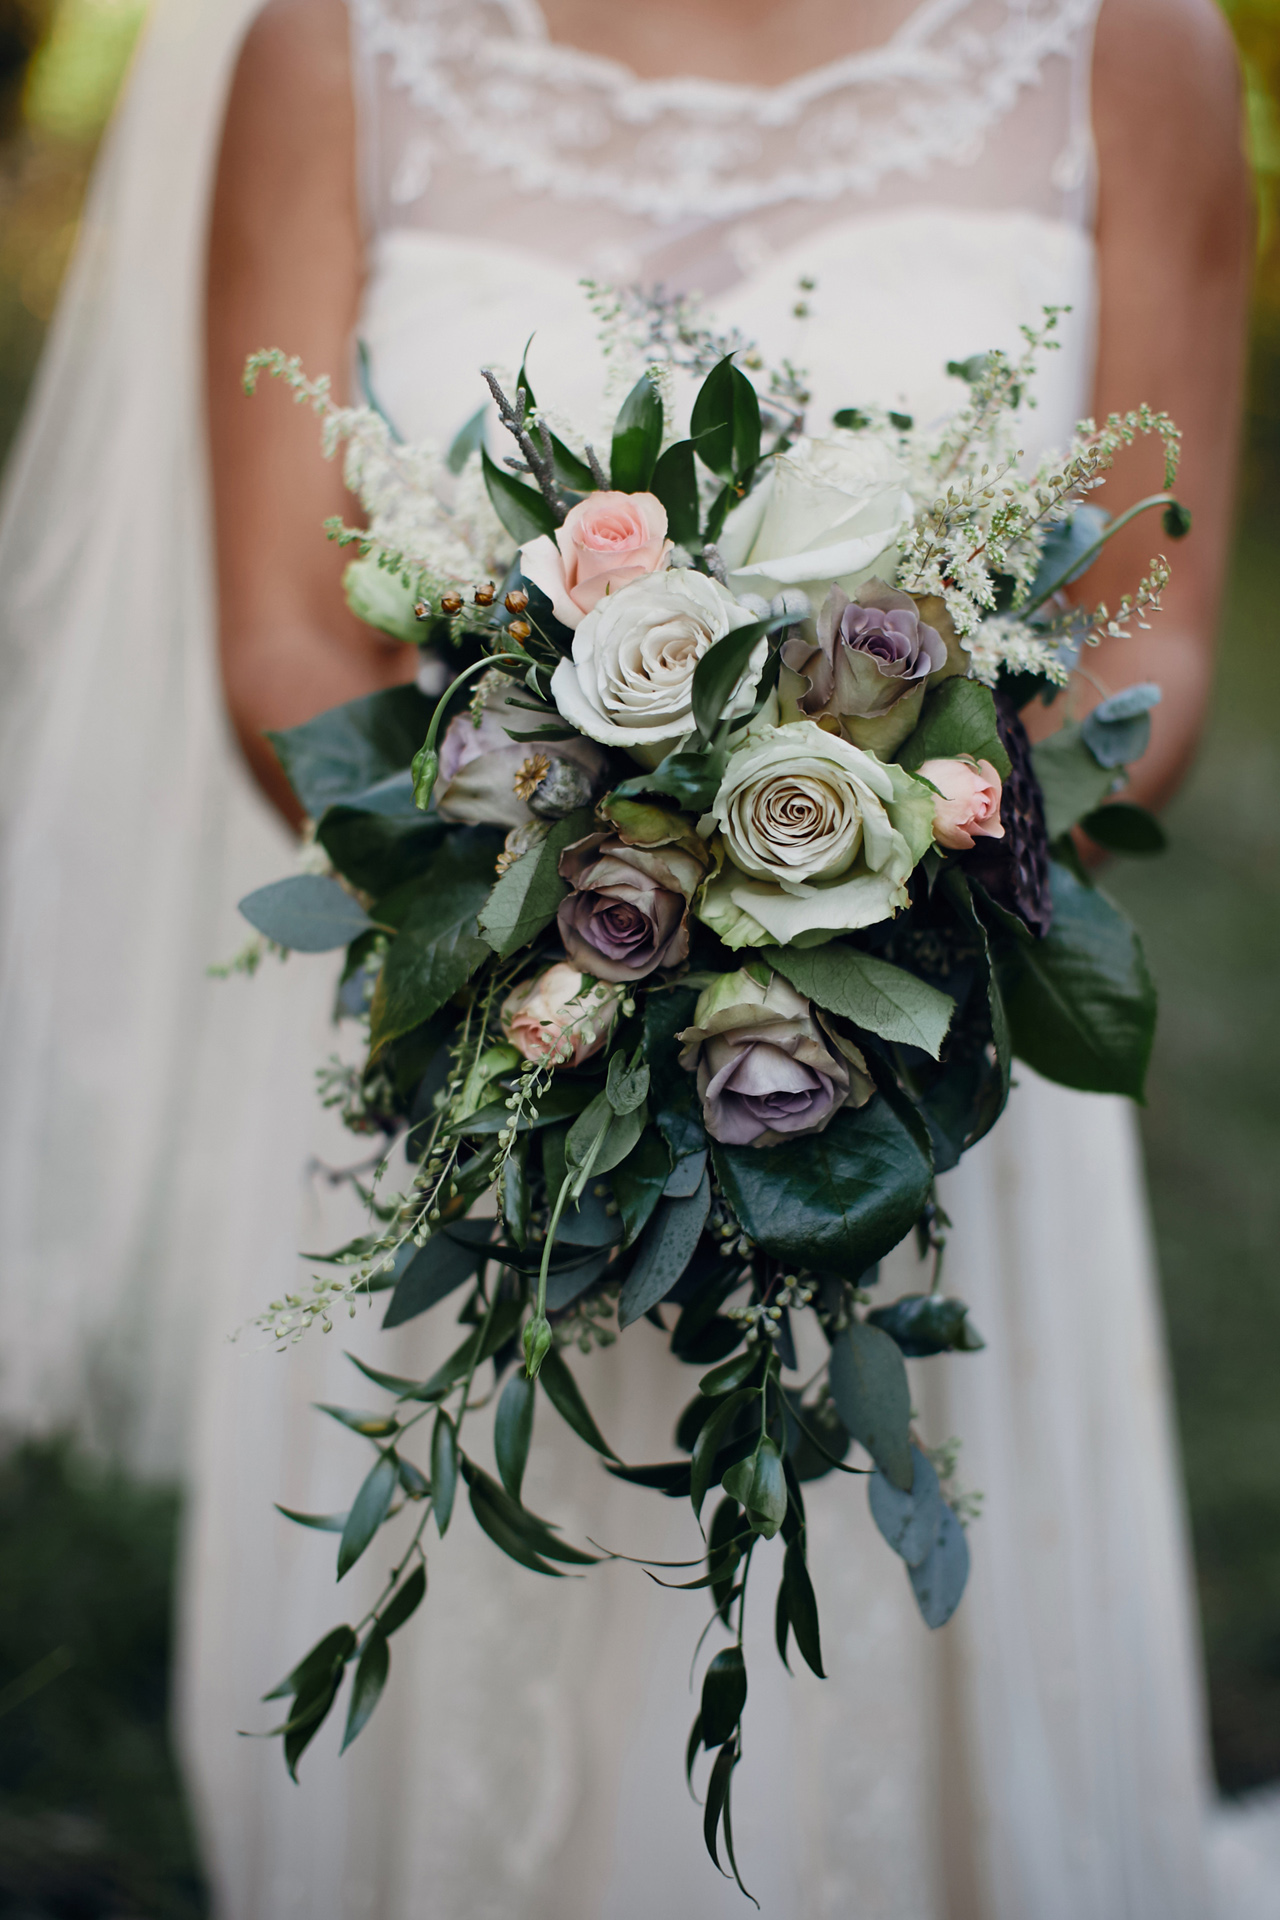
(92, 1822)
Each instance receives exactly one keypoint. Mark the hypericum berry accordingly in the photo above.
(484, 596)
(519, 629)
(451, 603)
(516, 601)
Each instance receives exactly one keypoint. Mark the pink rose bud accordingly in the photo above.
(607, 540)
(967, 804)
(559, 1013)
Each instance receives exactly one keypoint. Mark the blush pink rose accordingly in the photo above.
(607, 540)
(536, 1017)
(967, 804)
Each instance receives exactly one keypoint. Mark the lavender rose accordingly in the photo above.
(768, 1068)
(629, 910)
(867, 674)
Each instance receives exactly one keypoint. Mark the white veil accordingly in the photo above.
(124, 810)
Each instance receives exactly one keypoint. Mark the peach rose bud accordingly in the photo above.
(559, 1013)
(967, 804)
(607, 540)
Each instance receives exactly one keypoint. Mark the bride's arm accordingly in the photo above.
(1174, 234)
(285, 269)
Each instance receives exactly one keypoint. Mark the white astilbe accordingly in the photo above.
(420, 516)
(1006, 641)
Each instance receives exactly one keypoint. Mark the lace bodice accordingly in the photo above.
(478, 123)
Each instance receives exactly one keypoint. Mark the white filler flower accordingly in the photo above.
(630, 681)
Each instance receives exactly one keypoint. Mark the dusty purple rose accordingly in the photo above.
(866, 676)
(629, 909)
(767, 1068)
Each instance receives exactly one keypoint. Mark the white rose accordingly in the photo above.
(820, 838)
(630, 681)
(831, 510)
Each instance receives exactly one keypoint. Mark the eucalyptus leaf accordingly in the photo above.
(371, 1426)
(640, 1181)
(525, 898)
(869, 1386)
(322, 1522)
(909, 1521)
(664, 1252)
(1118, 730)
(939, 1581)
(538, 1535)
(707, 1446)
(879, 998)
(329, 1654)
(306, 913)
(959, 716)
(926, 1323)
(1121, 827)
(368, 1510)
(379, 839)
(686, 1176)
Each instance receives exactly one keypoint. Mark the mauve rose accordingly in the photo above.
(605, 541)
(767, 1069)
(537, 1015)
(967, 805)
(866, 675)
(629, 910)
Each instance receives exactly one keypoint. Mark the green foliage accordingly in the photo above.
(675, 483)
(959, 716)
(437, 946)
(307, 913)
(874, 995)
(725, 423)
(869, 1387)
(664, 1251)
(522, 510)
(342, 753)
(526, 896)
(637, 438)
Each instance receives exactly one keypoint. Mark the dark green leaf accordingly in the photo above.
(526, 896)
(415, 1484)
(959, 716)
(664, 1252)
(1121, 827)
(692, 1750)
(569, 470)
(673, 1092)
(372, 1426)
(638, 1183)
(1082, 1007)
(515, 1190)
(909, 1521)
(724, 1695)
(432, 1274)
(380, 838)
(344, 752)
(562, 1099)
(538, 1535)
(626, 1087)
(802, 1607)
(368, 1511)
(925, 1323)
(637, 438)
(732, 1375)
(366, 1689)
(718, 672)
(306, 913)
(692, 780)
(723, 1554)
(686, 1176)
(869, 1387)
(522, 510)
(322, 1522)
(444, 1469)
(759, 1486)
(782, 1624)
(725, 423)
(1071, 779)
(565, 1396)
(513, 1431)
(468, 440)
(437, 947)
(939, 1581)
(707, 1446)
(675, 482)
(836, 1201)
(874, 995)
(310, 1710)
(327, 1655)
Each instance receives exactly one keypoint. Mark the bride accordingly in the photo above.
(434, 178)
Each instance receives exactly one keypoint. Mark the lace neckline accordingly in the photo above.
(491, 90)
(569, 63)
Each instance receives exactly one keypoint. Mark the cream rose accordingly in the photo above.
(607, 540)
(560, 1013)
(630, 681)
(967, 804)
(819, 838)
(832, 509)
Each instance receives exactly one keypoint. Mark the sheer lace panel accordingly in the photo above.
(477, 123)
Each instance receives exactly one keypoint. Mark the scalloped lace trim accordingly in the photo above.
(494, 87)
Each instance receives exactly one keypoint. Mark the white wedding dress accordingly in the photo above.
(1041, 1758)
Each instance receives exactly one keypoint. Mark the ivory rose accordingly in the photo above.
(967, 804)
(768, 1067)
(607, 540)
(630, 680)
(537, 1016)
(819, 838)
(832, 509)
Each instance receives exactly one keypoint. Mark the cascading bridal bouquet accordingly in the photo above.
(695, 903)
